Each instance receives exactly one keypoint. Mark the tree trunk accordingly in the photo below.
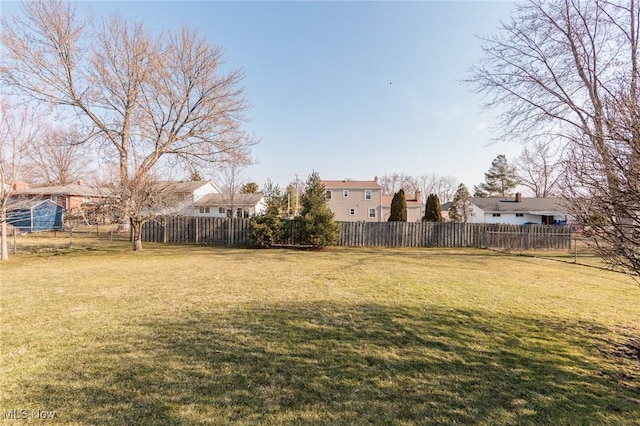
(136, 233)
(3, 237)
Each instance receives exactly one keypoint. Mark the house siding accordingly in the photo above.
(340, 205)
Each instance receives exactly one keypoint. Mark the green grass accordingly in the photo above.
(198, 335)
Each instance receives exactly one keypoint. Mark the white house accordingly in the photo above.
(519, 210)
(229, 205)
(183, 195)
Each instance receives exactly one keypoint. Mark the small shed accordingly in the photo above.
(35, 215)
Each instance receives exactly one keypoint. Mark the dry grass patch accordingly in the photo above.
(187, 335)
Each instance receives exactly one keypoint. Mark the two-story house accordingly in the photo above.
(355, 200)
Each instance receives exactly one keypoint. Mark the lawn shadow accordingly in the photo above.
(327, 363)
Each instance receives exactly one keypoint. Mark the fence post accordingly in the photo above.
(71, 237)
(15, 242)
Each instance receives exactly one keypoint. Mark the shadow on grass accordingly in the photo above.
(345, 364)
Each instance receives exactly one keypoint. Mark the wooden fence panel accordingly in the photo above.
(210, 230)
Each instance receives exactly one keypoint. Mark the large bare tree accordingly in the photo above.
(394, 182)
(59, 158)
(19, 130)
(540, 168)
(444, 186)
(568, 69)
(146, 99)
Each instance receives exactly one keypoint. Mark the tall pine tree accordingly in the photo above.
(461, 209)
(398, 211)
(433, 210)
(500, 180)
(316, 226)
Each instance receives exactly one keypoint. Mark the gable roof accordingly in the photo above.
(224, 200)
(185, 187)
(351, 184)
(70, 189)
(28, 204)
(526, 205)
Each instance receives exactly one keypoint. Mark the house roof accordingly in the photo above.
(26, 204)
(351, 184)
(70, 189)
(225, 200)
(527, 205)
(387, 199)
(186, 187)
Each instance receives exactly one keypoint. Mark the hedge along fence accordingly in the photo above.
(209, 230)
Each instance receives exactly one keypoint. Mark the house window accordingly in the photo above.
(352, 212)
(345, 193)
(86, 199)
(372, 213)
(328, 194)
(238, 212)
(519, 214)
(367, 194)
(54, 198)
(222, 210)
(204, 210)
(496, 215)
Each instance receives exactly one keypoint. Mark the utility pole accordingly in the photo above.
(297, 197)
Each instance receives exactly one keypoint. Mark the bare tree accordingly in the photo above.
(19, 129)
(540, 169)
(146, 100)
(444, 186)
(58, 158)
(394, 182)
(231, 178)
(569, 70)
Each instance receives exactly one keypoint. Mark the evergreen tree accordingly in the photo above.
(398, 211)
(433, 211)
(196, 176)
(500, 180)
(316, 226)
(268, 229)
(249, 188)
(461, 210)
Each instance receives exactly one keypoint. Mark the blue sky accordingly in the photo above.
(351, 89)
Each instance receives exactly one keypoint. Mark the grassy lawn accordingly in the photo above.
(187, 335)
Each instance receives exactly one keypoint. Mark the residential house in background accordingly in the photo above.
(229, 205)
(518, 210)
(181, 196)
(79, 201)
(415, 207)
(355, 200)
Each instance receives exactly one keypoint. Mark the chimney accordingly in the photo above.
(20, 186)
(375, 179)
(418, 197)
(518, 197)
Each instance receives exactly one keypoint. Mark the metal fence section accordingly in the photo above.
(208, 230)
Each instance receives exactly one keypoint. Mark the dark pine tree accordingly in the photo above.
(433, 211)
(398, 211)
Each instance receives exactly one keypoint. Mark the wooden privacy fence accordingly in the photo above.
(209, 230)
(196, 230)
(430, 234)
